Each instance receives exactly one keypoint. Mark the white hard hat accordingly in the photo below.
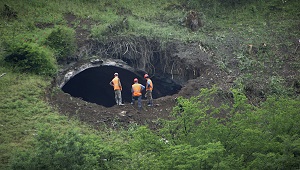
(116, 74)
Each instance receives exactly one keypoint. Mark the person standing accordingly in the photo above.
(116, 83)
(149, 88)
(136, 91)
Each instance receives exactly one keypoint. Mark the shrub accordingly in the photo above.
(62, 40)
(145, 140)
(233, 135)
(32, 58)
(70, 150)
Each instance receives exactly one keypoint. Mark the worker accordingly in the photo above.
(136, 91)
(149, 88)
(116, 83)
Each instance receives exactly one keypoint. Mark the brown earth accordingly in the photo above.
(124, 116)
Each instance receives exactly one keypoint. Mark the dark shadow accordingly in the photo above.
(92, 85)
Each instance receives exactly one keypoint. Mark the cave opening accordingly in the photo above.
(92, 85)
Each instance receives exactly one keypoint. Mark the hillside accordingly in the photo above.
(225, 57)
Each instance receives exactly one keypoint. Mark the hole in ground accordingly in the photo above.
(92, 85)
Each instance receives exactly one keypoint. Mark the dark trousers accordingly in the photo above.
(139, 99)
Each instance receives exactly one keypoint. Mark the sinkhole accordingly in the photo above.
(92, 85)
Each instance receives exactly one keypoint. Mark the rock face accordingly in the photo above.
(75, 68)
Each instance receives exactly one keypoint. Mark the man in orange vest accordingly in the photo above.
(149, 88)
(116, 83)
(136, 91)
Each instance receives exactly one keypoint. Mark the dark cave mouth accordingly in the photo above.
(92, 85)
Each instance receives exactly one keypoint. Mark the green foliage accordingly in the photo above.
(203, 134)
(258, 87)
(146, 141)
(193, 115)
(251, 137)
(21, 107)
(24, 120)
(32, 58)
(70, 150)
(277, 87)
(115, 28)
(184, 156)
(62, 40)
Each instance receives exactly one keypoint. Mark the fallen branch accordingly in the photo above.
(2, 74)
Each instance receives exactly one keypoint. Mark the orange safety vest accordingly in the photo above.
(116, 83)
(151, 85)
(136, 88)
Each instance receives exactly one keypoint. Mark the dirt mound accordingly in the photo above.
(114, 117)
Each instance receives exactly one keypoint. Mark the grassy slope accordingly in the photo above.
(22, 110)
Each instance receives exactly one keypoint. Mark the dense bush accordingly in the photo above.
(265, 137)
(69, 151)
(203, 135)
(62, 40)
(32, 58)
(232, 135)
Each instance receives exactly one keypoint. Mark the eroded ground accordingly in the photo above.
(123, 116)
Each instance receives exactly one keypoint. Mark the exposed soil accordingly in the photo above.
(123, 116)
(203, 73)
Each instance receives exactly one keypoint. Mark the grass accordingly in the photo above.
(23, 113)
(23, 109)
(18, 109)
(147, 17)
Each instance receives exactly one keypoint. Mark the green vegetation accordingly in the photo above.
(62, 41)
(34, 136)
(32, 58)
(250, 137)
(73, 150)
